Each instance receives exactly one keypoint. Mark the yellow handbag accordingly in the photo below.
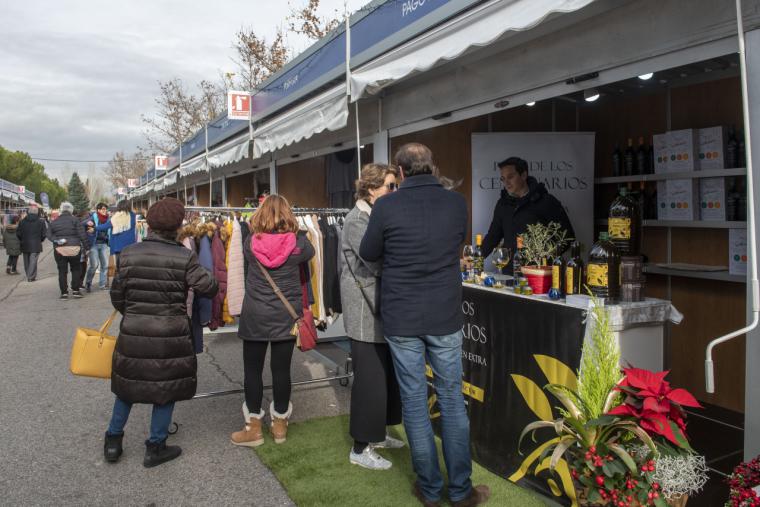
(92, 352)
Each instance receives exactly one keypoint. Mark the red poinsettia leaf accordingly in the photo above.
(624, 410)
(683, 398)
(662, 426)
(655, 405)
(645, 379)
(649, 392)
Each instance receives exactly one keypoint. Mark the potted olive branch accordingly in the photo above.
(540, 243)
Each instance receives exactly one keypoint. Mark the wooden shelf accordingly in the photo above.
(723, 276)
(695, 224)
(714, 173)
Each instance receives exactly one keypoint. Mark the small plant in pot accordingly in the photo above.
(540, 243)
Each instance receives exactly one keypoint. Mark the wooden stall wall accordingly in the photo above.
(304, 183)
(710, 308)
(202, 195)
(238, 188)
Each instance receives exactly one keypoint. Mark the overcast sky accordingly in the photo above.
(76, 75)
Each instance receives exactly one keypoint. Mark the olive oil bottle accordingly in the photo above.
(574, 271)
(603, 271)
(624, 223)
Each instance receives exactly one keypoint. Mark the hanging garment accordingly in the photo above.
(316, 268)
(330, 283)
(235, 271)
(207, 261)
(341, 175)
(320, 287)
(227, 239)
(220, 273)
(244, 233)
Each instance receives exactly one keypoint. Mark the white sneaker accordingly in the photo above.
(369, 459)
(389, 443)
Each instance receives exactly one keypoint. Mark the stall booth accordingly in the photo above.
(561, 84)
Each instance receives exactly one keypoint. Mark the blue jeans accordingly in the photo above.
(159, 422)
(444, 354)
(98, 257)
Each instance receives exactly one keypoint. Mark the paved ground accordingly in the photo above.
(52, 423)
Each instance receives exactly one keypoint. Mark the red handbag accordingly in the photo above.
(303, 329)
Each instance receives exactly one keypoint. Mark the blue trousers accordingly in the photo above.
(444, 354)
(159, 421)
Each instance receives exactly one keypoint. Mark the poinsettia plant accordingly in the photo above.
(655, 405)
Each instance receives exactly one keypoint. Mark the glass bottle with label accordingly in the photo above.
(558, 277)
(732, 149)
(603, 270)
(574, 271)
(629, 159)
(642, 157)
(477, 258)
(624, 223)
(517, 260)
(617, 161)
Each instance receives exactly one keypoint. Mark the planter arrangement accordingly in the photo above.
(623, 436)
(743, 482)
(540, 243)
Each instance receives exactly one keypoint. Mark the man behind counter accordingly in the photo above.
(523, 201)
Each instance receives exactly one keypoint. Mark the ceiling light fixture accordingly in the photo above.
(590, 95)
(531, 104)
(647, 76)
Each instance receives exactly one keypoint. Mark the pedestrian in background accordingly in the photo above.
(69, 241)
(12, 246)
(31, 232)
(122, 228)
(375, 399)
(417, 232)
(154, 361)
(99, 241)
(278, 249)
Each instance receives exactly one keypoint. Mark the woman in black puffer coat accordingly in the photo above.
(154, 361)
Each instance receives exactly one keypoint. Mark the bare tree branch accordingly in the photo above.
(306, 21)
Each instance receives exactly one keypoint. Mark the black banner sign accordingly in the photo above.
(512, 347)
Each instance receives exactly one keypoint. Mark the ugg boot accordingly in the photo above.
(112, 448)
(250, 435)
(157, 453)
(280, 423)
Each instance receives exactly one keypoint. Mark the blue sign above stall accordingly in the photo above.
(375, 29)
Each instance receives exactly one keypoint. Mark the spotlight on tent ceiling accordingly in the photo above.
(441, 116)
(531, 104)
(591, 94)
(361, 147)
(647, 76)
(584, 77)
(295, 155)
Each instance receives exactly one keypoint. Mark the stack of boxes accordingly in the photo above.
(690, 150)
(737, 252)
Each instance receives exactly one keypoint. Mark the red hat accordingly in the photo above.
(166, 215)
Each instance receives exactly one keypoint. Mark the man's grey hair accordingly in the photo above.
(34, 210)
(67, 206)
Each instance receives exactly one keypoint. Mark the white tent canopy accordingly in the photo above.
(327, 111)
(194, 165)
(230, 152)
(478, 27)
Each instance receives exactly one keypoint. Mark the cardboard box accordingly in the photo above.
(737, 251)
(712, 148)
(713, 197)
(682, 150)
(683, 198)
(660, 147)
(663, 204)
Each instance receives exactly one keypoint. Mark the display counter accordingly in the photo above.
(513, 346)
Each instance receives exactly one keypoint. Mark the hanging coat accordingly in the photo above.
(220, 273)
(235, 275)
(207, 261)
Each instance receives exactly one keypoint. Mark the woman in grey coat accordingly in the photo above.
(375, 400)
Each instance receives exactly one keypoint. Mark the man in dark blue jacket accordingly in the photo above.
(417, 232)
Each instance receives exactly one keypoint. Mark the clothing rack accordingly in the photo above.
(342, 375)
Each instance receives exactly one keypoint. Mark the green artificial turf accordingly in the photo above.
(314, 469)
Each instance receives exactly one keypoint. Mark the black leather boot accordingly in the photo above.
(112, 448)
(157, 453)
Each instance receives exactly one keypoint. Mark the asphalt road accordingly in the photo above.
(52, 423)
